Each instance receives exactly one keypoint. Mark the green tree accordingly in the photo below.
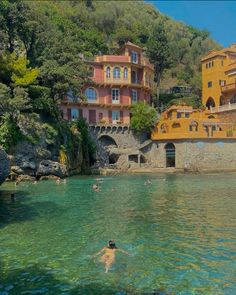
(143, 117)
(158, 50)
(159, 53)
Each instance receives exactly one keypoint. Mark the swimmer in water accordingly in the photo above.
(108, 258)
(96, 188)
(58, 181)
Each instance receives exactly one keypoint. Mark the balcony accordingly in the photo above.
(228, 88)
(223, 108)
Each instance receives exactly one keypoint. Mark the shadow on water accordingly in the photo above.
(38, 280)
(14, 210)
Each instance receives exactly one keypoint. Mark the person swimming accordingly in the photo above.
(108, 258)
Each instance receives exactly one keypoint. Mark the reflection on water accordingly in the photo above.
(180, 229)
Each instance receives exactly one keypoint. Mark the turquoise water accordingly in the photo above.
(180, 231)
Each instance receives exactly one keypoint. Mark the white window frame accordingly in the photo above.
(115, 116)
(116, 73)
(126, 73)
(108, 72)
(115, 95)
(90, 98)
(134, 54)
(134, 96)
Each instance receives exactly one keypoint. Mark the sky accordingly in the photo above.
(217, 17)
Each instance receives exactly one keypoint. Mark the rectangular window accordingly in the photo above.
(115, 94)
(100, 116)
(222, 82)
(209, 64)
(74, 114)
(134, 96)
(209, 84)
(134, 57)
(115, 116)
(187, 115)
(179, 115)
(212, 63)
(206, 65)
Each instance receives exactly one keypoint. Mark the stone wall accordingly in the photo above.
(228, 117)
(193, 155)
(197, 155)
(122, 135)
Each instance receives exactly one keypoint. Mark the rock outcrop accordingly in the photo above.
(47, 167)
(4, 166)
(32, 161)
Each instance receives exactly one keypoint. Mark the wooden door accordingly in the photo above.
(92, 116)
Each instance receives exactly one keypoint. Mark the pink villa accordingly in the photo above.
(117, 82)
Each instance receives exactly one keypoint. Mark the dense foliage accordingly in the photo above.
(143, 117)
(42, 45)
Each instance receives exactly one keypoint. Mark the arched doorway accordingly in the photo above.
(170, 155)
(210, 103)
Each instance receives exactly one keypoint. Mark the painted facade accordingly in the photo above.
(184, 122)
(219, 79)
(117, 82)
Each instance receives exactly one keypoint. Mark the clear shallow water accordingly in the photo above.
(180, 230)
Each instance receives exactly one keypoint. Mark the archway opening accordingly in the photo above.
(108, 141)
(233, 99)
(170, 155)
(210, 103)
(113, 158)
(193, 126)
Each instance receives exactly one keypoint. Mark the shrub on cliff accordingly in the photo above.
(143, 117)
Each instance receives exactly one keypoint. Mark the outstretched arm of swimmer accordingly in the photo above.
(123, 251)
(100, 252)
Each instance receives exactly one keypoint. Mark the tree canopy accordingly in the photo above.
(143, 117)
(42, 45)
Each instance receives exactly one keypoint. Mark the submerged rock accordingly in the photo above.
(49, 177)
(24, 177)
(4, 166)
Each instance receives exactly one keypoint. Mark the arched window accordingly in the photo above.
(175, 125)
(91, 94)
(210, 103)
(116, 73)
(164, 128)
(125, 73)
(70, 96)
(193, 126)
(108, 72)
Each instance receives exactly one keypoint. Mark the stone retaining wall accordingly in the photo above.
(197, 155)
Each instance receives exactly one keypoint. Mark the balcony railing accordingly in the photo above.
(223, 108)
(228, 87)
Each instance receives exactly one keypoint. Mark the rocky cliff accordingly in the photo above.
(4, 166)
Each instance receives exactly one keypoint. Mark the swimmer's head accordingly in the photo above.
(112, 245)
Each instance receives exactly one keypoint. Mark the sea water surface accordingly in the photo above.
(180, 231)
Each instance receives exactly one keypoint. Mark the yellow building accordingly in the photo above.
(219, 79)
(218, 120)
(185, 122)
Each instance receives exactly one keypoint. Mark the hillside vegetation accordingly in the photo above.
(42, 42)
